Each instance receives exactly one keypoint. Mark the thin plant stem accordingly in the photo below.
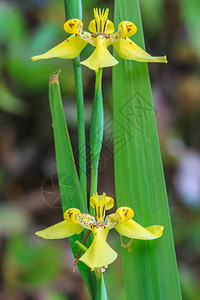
(96, 133)
(96, 139)
(94, 175)
(74, 10)
(81, 126)
(101, 293)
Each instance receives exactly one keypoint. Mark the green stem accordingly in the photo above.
(96, 133)
(96, 139)
(81, 126)
(80, 246)
(73, 9)
(101, 293)
(94, 175)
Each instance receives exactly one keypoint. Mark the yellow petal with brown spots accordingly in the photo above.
(127, 49)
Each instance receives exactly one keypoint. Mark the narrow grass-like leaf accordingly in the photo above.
(150, 270)
(68, 179)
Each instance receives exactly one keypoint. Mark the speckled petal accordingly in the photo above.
(112, 220)
(73, 26)
(133, 230)
(126, 213)
(126, 28)
(85, 220)
(127, 49)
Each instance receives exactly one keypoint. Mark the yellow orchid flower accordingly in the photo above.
(102, 35)
(100, 254)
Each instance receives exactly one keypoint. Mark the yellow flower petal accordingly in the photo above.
(60, 230)
(101, 203)
(85, 220)
(109, 203)
(70, 48)
(100, 58)
(112, 220)
(71, 213)
(133, 230)
(99, 253)
(126, 213)
(109, 28)
(127, 49)
(92, 26)
(102, 200)
(101, 24)
(127, 28)
(73, 26)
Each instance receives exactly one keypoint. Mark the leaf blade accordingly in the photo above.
(139, 173)
(67, 174)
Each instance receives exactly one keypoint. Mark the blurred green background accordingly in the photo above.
(31, 268)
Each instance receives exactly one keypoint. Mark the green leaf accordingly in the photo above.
(150, 270)
(68, 179)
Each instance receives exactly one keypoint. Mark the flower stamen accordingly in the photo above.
(100, 20)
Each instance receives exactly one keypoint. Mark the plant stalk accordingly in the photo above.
(96, 133)
(101, 293)
(81, 126)
(73, 9)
